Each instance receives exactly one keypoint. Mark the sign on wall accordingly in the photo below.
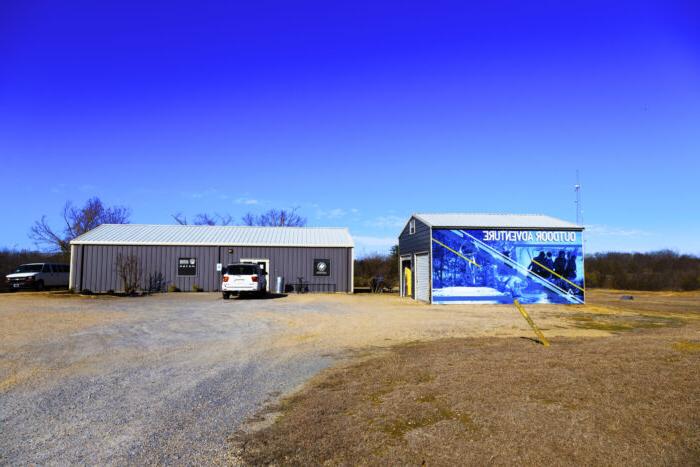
(187, 267)
(322, 267)
(499, 266)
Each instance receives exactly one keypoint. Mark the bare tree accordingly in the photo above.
(204, 219)
(129, 272)
(179, 218)
(276, 218)
(248, 219)
(77, 221)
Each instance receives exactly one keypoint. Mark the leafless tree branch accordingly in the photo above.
(276, 218)
(77, 221)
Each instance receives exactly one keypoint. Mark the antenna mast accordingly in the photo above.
(577, 190)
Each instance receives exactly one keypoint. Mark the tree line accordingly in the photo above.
(659, 270)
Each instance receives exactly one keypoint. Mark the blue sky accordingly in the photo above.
(358, 114)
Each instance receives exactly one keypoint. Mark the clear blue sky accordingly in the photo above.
(359, 114)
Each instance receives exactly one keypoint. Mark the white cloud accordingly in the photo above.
(335, 213)
(58, 188)
(387, 222)
(599, 230)
(601, 238)
(247, 201)
(365, 244)
(199, 194)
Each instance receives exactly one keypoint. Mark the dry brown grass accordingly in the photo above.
(629, 399)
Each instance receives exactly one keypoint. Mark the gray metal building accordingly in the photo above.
(192, 255)
(491, 258)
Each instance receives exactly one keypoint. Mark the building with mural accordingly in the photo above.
(491, 258)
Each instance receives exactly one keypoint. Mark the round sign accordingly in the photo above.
(321, 266)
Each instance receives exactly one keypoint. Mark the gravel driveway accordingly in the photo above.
(167, 378)
(163, 379)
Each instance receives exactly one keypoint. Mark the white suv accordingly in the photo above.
(243, 278)
(38, 276)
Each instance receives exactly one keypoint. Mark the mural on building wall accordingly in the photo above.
(499, 266)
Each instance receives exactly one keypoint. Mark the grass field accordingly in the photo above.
(632, 397)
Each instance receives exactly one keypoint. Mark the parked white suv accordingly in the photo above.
(243, 278)
(38, 276)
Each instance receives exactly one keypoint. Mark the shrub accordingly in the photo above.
(173, 288)
(156, 282)
(129, 272)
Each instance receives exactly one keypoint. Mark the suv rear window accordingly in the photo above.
(242, 270)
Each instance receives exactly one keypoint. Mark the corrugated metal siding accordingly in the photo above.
(214, 235)
(294, 262)
(415, 243)
(99, 265)
(76, 255)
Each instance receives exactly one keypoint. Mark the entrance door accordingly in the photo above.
(423, 278)
(264, 265)
(406, 277)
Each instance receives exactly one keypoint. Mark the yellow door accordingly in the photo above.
(407, 280)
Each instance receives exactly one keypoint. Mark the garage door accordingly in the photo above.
(423, 278)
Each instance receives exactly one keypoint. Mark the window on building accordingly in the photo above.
(412, 227)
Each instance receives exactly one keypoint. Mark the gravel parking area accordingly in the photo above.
(144, 380)
(167, 378)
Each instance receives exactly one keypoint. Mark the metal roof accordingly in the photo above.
(146, 234)
(530, 221)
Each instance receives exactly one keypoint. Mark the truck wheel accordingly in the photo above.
(40, 286)
(226, 295)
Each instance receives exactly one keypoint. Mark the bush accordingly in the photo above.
(173, 288)
(196, 288)
(156, 282)
(129, 272)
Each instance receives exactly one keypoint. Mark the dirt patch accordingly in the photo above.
(627, 399)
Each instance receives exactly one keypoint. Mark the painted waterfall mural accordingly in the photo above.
(499, 266)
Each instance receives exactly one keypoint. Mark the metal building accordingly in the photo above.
(491, 258)
(193, 255)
